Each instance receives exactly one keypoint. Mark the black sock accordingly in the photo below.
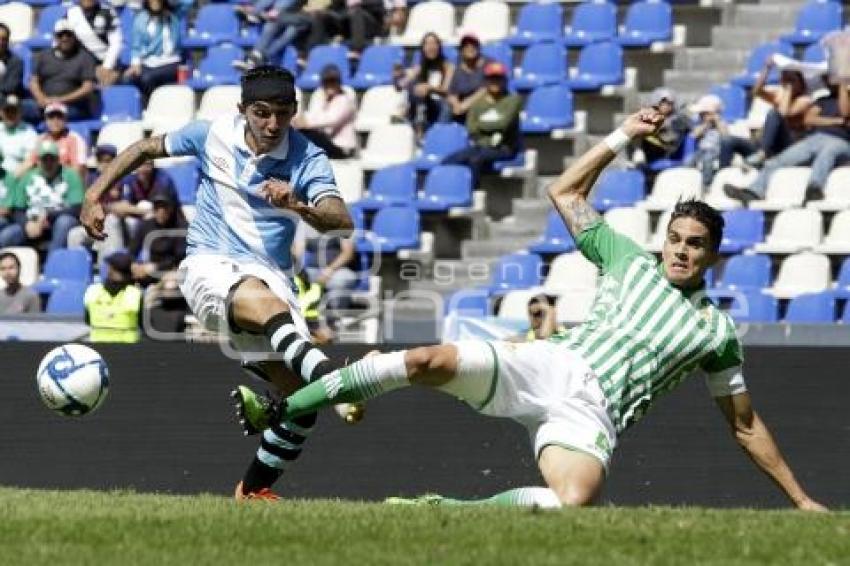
(299, 355)
(281, 443)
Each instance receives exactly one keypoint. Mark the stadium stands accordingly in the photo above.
(592, 21)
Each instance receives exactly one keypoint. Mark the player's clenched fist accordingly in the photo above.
(92, 217)
(643, 122)
(279, 193)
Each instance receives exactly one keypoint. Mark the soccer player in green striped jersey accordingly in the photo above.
(651, 326)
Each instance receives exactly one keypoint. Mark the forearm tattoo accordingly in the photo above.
(579, 215)
(331, 214)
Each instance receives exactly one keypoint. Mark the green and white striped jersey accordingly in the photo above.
(643, 336)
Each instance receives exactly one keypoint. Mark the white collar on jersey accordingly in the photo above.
(280, 151)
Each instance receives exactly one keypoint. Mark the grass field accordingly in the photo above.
(84, 527)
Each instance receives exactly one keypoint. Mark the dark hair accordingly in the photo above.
(5, 255)
(428, 65)
(705, 215)
(330, 73)
(268, 82)
(5, 27)
(542, 298)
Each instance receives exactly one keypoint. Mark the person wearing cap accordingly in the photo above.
(17, 138)
(329, 120)
(136, 192)
(467, 85)
(493, 125)
(73, 149)
(12, 79)
(98, 28)
(162, 252)
(672, 133)
(427, 84)
(113, 307)
(709, 133)
(65, 74)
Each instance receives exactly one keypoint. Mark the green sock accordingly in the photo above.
(357, 382)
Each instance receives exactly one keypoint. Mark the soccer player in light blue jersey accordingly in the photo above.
(259, 178)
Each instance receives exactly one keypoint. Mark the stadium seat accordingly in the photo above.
(388, 144)
(489, 21)
(731, 175)
(591, 22)
(599, 64)
(537, 22)
(542, 64)
(786, 189)
(632, 222)
(446, 186)
(671, 186)
(746, 272)
(811, 308)
(837, 240)
(19, 17)
(805, 272)
(391, 185)
(845, 318)
(394, 228)
(678, 158)
(216, 68)
(647, 21)
(514, 304)
(793, 230)
(468, 302)
(318, 58)
(571, 272)
(64, 264)
(659, 235)
(376, 66)
(121, 134)
(515, 271)
(42, 37)
(349, 178)
(434, 16)
(556, 239)
(249, 35)
(814, 20)
(213, 24)
(548, 108)
(186, 178)
(814, 53)
(842, 284)
(28, 258)
(499, 51)
(742, 230)
(836, 194)
(169, 108)
(754, 307)
(218, 101)
(441, 140)
(756, 61)
(617, 188)
(734, 101)
(121, 103)
(573, 307)
(67, 299)
(377, 107)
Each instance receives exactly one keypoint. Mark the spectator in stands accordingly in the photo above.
(113, 307)
(467, 85)
(138, 189)
(12, 75)
(358, 21)
(669, 138)
(493, 124)
(285, 22)
(98, 28)
(65, 75)
(542, 321)
(72, 147)
(395, 17)
(17, 138)
(52, 195)
(329, 123)
(428, 84)
(708, 133)
(12, 212)
(155, 47)
(15, 298)
(161, 252)
(827, 143)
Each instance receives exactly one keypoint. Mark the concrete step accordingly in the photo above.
(780, 17)
(707, 58)
(494, 248)
(742, 38)
(510, 228)
(687, 81)
(530, 211)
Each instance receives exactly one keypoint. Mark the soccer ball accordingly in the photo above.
(72, 380)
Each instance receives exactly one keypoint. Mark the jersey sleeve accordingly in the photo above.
(604, 246)
(724, 368)
(316, 180)
(188, 140)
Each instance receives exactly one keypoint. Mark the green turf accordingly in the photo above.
(82, 527)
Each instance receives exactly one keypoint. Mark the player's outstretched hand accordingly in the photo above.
(92, 217)
(279, 193)
(643, 122)
(811, 505)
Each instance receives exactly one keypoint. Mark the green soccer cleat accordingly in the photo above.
(429, 499)
(254, 412)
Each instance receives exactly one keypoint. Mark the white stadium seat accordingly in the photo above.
(349, 178)
(121, 134)
(170, 108)
(573, 307)
(19, 17)
(785, 189)
(29, 264)
(733, 176)
(432, 16)
(837, 241)
(836, 192)
(514, 304)
(218, 101)
(793, 230)
(571, 272)
(631, 222)
(378, 106)
(389, 144)
(488, 20)
(671, 186)
(805, 272)
(759, 110)
(656, 241)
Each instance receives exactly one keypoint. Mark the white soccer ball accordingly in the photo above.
(72, 380)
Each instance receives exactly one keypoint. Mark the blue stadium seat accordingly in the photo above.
(743, 229)
(548, 108)
(538, 22)
(618, 188)
(842, 282)
(592, 21)
(756, 60)
(814, 20)
(469, 303)
(599, 64)
(66, 264)
(289, 60)
(83, 128)
(754, 307)
(811, 308)
(499, 51)
(441, 140)
(36, 3)
(376, 66)
(318, 59)
(746, 272)
(515, 271)
(214, 24)
(734, 101)
(186, 179)
(446, 186)
(394, 228)
(678, 157)
(121, 103)
(556, 239)
(42, 37)
(67, 299)
(542, 64)
(249, 35)
(216, 68)
(846, 317)
(814, 53)
(647, 21)
(393, 185)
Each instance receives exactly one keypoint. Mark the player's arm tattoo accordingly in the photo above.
(577, 213)
(329, 215)
(126, 162)
(569, 192)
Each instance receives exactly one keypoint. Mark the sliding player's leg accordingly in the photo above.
(574, 477)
